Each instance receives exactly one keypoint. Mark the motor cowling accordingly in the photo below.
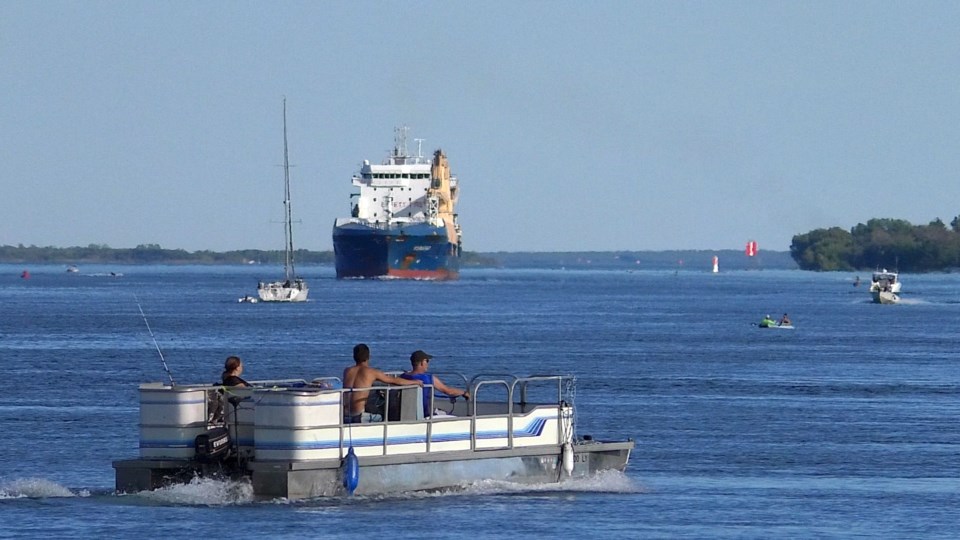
(212, 446)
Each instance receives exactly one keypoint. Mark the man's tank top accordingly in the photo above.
(426, 378)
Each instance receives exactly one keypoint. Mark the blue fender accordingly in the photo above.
(351, 471)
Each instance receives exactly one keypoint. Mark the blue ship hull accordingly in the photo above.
(417, 251)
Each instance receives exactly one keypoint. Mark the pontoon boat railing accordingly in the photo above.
(480, 385)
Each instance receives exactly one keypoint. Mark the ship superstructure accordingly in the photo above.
(403, 220)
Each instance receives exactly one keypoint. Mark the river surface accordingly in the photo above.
(846, 426)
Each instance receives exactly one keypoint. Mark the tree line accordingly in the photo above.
(881, 243)
(150, 254)
(154, 254)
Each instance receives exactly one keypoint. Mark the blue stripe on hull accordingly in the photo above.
(415, 252)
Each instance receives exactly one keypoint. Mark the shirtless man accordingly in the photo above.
(363, 376)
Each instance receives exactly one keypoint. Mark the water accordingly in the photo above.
(844, 427)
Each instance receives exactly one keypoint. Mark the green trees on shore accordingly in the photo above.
(150, 254)
(888, 243)
(154, 254)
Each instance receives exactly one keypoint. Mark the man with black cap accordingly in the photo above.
(420, 361)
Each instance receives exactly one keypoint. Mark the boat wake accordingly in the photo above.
(609, 481)
(37, 488)
(389, 278)
(214, 492)
(902, 302)
(201, 492)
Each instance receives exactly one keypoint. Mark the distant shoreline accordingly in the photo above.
(622, 259)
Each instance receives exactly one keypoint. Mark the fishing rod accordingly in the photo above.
(155, 344)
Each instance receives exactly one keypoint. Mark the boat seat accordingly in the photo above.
(406, 404)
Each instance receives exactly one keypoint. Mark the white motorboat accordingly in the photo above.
(885, 287)
(292, 288)
(289, 439)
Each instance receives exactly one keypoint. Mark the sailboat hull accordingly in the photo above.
(283, 291)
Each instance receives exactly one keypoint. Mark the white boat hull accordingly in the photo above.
(885, 297)
(282, 292)
(406, 473)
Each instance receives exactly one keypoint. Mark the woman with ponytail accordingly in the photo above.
(232, 369)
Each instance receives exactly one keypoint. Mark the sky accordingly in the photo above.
(572, 126)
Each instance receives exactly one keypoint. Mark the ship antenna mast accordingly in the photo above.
(400, 142)
(419, 149)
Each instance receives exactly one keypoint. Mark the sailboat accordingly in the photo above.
(292, 288)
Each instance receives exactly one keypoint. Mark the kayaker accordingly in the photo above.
(784, 321)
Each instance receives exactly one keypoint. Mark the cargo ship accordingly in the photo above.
(403, 220)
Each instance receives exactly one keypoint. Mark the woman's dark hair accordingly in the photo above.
(232, 363)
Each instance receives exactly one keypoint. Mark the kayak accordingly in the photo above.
(775, 326)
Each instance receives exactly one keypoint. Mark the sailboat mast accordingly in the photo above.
(288, 217)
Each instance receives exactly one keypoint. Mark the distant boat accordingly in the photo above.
(403, 224)
(777, 326)
(291, 288)
(106, 274)
(72, 269)
(248, 299)
(783, 324)
(885, 287)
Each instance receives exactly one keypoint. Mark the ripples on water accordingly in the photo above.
(844, 427)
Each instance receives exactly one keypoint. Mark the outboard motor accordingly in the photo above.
(212, 446)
